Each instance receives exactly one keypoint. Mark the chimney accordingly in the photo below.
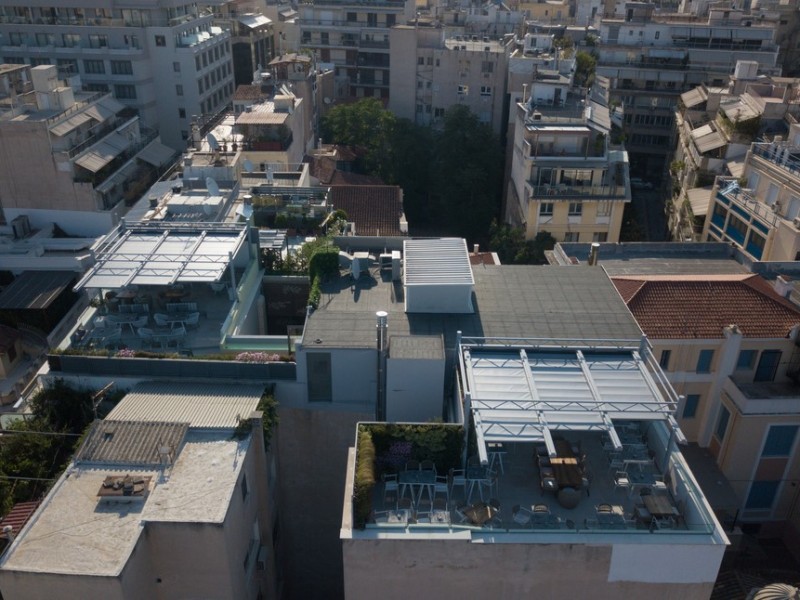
(8, 531)
(783, 286)
(476, 249)
(593, 254)
(382, 327)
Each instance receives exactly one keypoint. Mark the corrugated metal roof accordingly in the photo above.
(441, 262)
(131, 442)
(20, 513)
(35, 289)
(203, 405)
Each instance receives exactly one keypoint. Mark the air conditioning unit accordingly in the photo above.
(796, 222)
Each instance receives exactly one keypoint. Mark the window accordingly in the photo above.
(352, 17)
(487, 66)
(604, 209)
(546, 209)
(746, 360)
(71, 40)
(438, 113)
(437, 62)
(419, 108)
(663, 362)
(420, 60)
(767, 365)
(161, 40)
(45, 39)
(176, 66)
(319, 376)
(658, 34)
(98, 41)
(372, 20)
(67, 66)
(486, 90)
(178, 90)
(575, 209)
(722, 423)
(463, 90)
(94, 67)
(245, 490)
(35, 62)
(121, 67)
(199, 86)
(704, 361)
(391, 20)
(181, 113)
(419, 84)
(600, 236)
(762, 494)
(780, 440)
(571, 236)
(17, 39)
(95, 87)
(690, 408)
(125, 92)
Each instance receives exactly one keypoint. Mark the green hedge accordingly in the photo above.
(395, 444)
(324, 261)
(364, 479)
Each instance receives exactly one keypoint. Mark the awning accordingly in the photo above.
(99, 155)
(694, 97)
(156, 153)
(699, 199)
(104, 109)
(253, 21)
(70, 124)
(707, 138)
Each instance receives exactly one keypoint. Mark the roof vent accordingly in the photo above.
(126, 488)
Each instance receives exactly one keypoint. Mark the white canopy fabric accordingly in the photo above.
(520, 395)
(170, 254)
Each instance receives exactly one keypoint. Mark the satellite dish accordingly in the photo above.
(326, 100)
(245, 211)
(212, 187)
(212, 142)
(248, 166)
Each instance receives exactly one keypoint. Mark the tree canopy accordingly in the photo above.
(512, 248)
(451, 178)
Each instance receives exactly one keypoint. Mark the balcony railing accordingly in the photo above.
(746, 203)
(781, 154)
(567, 192)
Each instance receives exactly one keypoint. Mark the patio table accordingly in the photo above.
(659, 505)
(417, 480)
(176, 319)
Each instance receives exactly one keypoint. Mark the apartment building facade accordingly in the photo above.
(566, 177)
(71, 157)
(761, 219)
(354, 37)
(168, 61)
(432, 72)
(734, 363)
(652, 58)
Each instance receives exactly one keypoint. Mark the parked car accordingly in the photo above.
(641, 184)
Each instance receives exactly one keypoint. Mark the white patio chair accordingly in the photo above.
(457, 478)
(192, 320)
(146, 335)
(161, 319)
(621, 481)
(520, 515)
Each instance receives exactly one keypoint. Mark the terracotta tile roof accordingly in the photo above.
(249, 92)
(347, 178)
(19, 514)
(700, 307)
(375, 209)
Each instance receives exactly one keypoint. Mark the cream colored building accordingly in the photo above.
(729, 346)
(566, 178)
(432, 72)
(159, 502)
(763, 219)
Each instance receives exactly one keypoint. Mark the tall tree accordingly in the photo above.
(467, 174)
(367, 126)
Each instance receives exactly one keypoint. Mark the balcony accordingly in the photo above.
(782, 155)
(744, 204)
(554, 193)
(763, 398)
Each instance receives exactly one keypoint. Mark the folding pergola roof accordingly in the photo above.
(519, 394)
(174, 253)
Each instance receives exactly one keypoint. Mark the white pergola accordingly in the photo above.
(521, 392)
(164, 255)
